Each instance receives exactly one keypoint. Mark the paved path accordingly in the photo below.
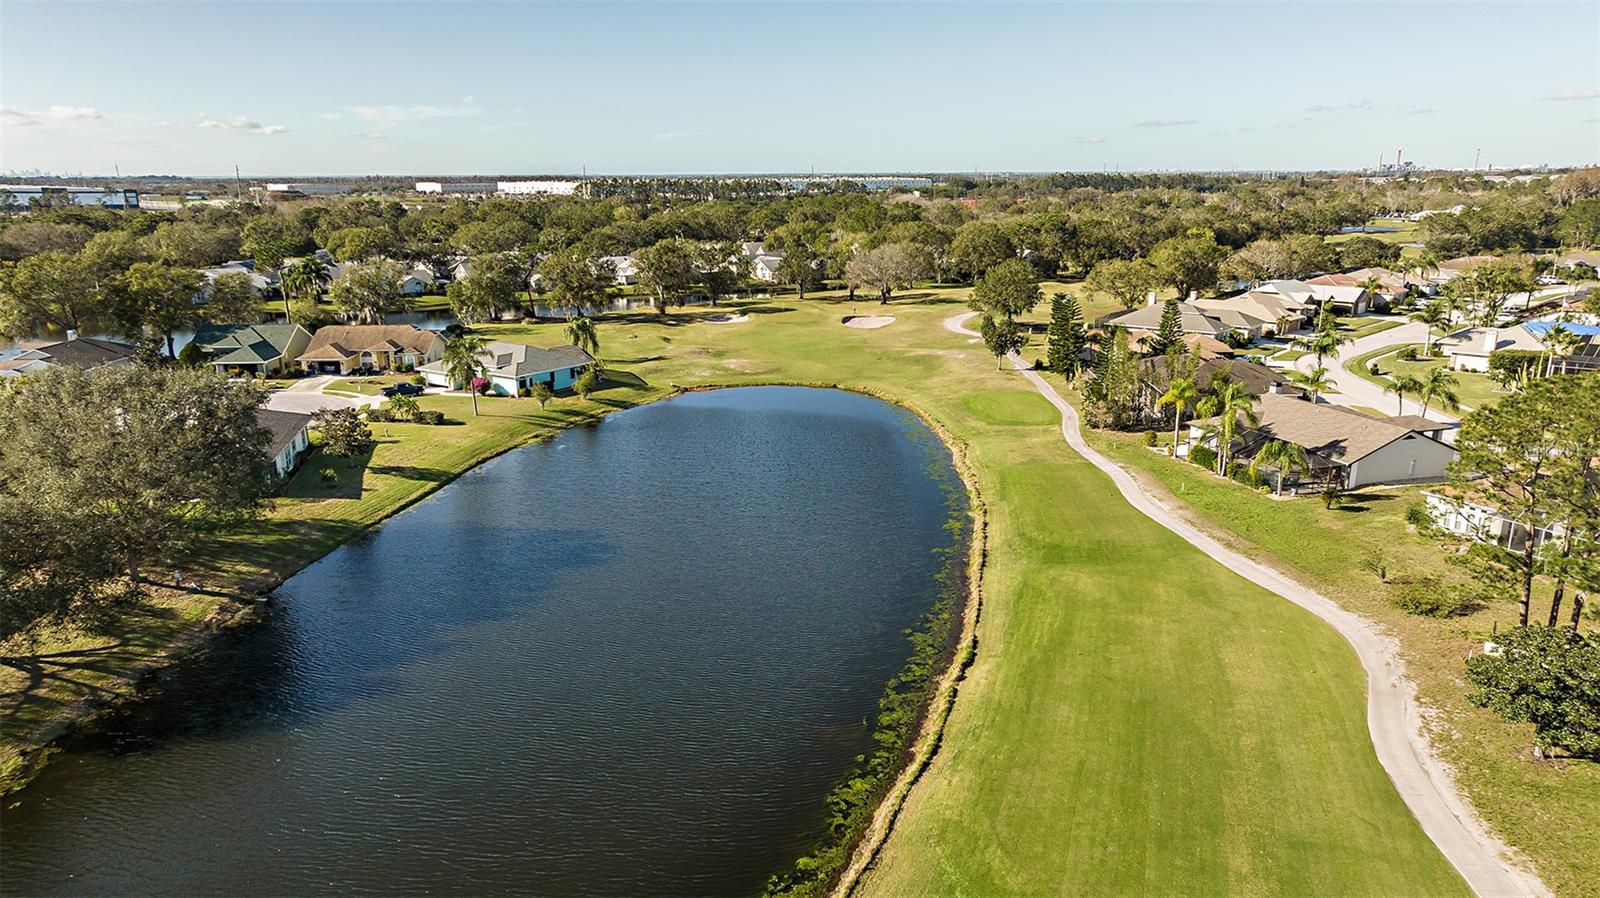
(1393, 716)
(306, 396)
(1354, 390)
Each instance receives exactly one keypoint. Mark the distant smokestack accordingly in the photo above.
(1397, 154)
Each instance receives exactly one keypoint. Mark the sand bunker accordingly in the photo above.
(868, 322)
(728, 319)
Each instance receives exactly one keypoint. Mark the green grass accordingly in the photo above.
(1365, 326)
(1549, 810)
(1137, 719)
(366, 386)
(1474, 390)
(1406, 233)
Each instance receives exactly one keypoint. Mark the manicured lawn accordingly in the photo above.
(367, 386)
(1474, 390)
(1364, 326)
(1549, 810)
(1405, 232)
(1137, 718)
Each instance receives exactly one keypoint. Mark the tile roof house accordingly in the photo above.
(1339, 297)
(342, 348)
(290, 438)
(1281, 313)
(1343, 446)
(79, 352)
(252, 348)
(513, 367)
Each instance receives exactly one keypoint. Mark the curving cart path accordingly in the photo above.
(1393, 716)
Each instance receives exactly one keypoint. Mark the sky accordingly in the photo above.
(645, 88)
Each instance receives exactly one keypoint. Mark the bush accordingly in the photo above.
(1150, 438)
(380, 415)
(429, 416)
(1407, 354)
(328, 475)
(419, 380)
(1417, 515)
(1427, 597)
(1204, 457)
(524, 392)
(1241, 472)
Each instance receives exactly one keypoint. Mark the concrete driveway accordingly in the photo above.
(306, 396)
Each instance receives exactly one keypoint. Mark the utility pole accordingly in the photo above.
(238, 186)
(1475, 157)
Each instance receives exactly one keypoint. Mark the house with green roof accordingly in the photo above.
(249, 349)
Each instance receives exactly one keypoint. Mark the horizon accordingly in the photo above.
(712, 88)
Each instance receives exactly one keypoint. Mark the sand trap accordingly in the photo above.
(728, 319)
(869, 322)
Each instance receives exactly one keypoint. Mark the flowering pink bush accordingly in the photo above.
(480, 385)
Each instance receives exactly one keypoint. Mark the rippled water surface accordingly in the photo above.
(628, 661)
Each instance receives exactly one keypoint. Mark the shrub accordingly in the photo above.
(419, 380)
(328, 475)
(1407, 354)
(1417, 515)
(1203, 456)
(1332, 496)
(1427, 597)
(1150, 438)
(1375, 370)
(429, 416)
(1241, 472)
(524, 392)
(380, 415)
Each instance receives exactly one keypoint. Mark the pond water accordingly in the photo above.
(628, 661)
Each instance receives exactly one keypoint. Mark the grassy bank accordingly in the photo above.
(1135, 719)
(1548, 810)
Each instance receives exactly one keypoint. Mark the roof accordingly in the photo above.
(284, 427)
(245, 344)
(521, 360)
(81, 352)
(1315, 289)
(1466, 263)
(1421, 424)
(1469, 341)
(1192, 319)
(1335, 433)
(1256, 378)
(1260, 305)
(341, 341)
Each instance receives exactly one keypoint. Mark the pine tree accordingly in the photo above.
(1169, 332)
(1066, 337)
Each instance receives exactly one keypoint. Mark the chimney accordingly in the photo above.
(71, 334)
(1150, 298)
(1491, 337)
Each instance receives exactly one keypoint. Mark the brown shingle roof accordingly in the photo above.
(340, 341)
(284, 427)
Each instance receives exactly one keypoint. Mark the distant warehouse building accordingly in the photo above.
(15, 197)
(538, 188)
(290, 190)
(470, 188)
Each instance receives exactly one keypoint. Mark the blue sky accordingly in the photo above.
(467, 88)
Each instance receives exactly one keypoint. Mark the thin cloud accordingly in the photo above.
(1091, 140)
(1572, 95)
(74, 113)
(416, 112)
(1166, 122)
(1420, 110)
(25, 118)
(1352, 106)
(367, 135)
(241, 123)
(16, 118)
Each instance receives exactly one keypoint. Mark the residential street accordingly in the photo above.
(1356, 391)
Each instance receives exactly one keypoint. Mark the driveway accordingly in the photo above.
(306, 396)
(1354, 390)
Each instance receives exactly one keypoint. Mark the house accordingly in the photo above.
(79, 352)
(1280, 313)
(418, 281)
(1468, 513)
(1469, 349)
(1344, 447)
(1216, 324)
(1198, 344)
(249, 349)
(261, 283)
(1339, 298)
(750, 249)
(342, 348)
(1453, 268)
(1155, 375)
(625, 269)
(513, 367)
(290, 440)
(1392, 286)
(765, 267)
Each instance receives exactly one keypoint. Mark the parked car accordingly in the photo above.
(402, 390)
(1549, 280)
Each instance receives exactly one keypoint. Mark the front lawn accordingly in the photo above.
(1473, 389)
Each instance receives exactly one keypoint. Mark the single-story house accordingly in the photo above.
(624, 268)
(1392, 286)
(418, 281)
(1469, 348)
(1191, 318)
(342, 348)
(1349, 300)
(1155, 375)
(252, 348)
(1470, 514)
(1344, 446)
(1451, 269)
(261, 283)
(1281, 313)
(1198, 344)
(290, 441)
(513, 367)
(79, 352)
(765, 267)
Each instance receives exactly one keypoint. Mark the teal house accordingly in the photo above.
(513, 367)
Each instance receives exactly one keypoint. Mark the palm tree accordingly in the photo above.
(1313, 381)
(305, 277)
(1400, 386)
(1374, 286)
(1229, 402)
(1433, 315)
(1425, 262)
(1325, 340)
(1287, 458)
(583, 335)
(1181, 394)
(403, 407)
(463, 362)
(1561, 342)
(1439, 384)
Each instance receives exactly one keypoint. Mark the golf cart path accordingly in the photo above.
(1393, 716)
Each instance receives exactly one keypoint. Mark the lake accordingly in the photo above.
(631, 660)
